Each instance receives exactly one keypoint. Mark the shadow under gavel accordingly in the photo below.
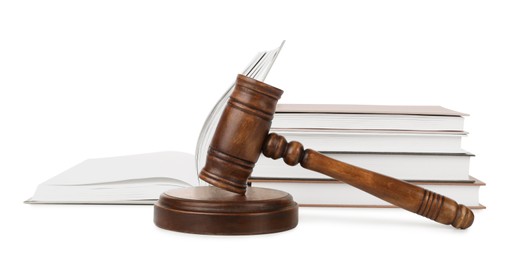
(241, 136)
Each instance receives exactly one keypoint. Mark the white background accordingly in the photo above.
(86, 79)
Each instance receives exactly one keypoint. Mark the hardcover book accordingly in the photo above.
(332, 193)
(373, 117)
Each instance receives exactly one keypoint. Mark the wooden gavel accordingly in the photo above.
(243, 134)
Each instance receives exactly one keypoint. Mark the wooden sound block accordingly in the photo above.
(213, 211)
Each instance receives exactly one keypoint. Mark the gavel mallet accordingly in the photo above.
(230, 207)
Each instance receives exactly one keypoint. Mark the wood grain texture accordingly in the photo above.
(213, 211)
(238, 139)
(397, 192)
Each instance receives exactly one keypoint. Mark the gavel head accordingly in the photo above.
(240, 134)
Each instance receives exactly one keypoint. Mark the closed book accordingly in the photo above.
(332, 193)
(324, 116)
(375, 140)
(405, 166)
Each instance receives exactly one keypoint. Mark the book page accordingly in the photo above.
(174, 165)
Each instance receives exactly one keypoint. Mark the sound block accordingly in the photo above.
(214, 211)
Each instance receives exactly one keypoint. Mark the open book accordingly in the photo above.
(134, 179)
(140, 179)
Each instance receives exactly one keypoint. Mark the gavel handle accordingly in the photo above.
(402, 194)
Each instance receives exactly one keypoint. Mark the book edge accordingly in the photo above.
(367, 109)
(476, 207)
(471, 182)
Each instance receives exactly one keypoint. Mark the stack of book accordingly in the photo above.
(419, 144)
